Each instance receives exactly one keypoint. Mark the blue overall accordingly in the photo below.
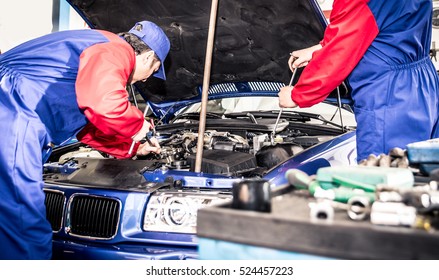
(382, 48)
(395, 84)
(37, 106)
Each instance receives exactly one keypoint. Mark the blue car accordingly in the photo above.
(146, 207)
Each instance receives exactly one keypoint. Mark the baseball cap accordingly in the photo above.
(156, 39)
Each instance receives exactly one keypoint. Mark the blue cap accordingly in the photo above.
(156, 39)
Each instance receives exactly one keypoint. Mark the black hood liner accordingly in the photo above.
(253, 38)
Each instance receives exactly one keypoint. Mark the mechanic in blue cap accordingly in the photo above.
(382, 48)
(53, 88)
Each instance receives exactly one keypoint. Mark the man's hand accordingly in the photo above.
(146, 148)
(146, 127)
(285, 100)
(300, 58)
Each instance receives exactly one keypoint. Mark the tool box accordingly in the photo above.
(287, 232)
(425, 154)
(365, 177)
(346, 212)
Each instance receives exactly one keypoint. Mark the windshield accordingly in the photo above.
(257, 103)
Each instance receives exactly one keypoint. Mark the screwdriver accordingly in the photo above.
(134, 142)
(150, 134)
(302, 180)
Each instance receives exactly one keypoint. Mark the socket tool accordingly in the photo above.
(252, 194)
(355, 201)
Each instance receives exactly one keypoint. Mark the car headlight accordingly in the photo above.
(177, 211)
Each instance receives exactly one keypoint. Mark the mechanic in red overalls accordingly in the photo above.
(66, 84)
(382, 49)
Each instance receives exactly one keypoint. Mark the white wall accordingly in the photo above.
(325, 4)
(22, 20)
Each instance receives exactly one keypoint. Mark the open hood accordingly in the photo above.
(253, 38)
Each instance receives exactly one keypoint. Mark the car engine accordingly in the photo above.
(232, 146)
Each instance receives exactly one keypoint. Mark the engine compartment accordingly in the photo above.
(238, 146)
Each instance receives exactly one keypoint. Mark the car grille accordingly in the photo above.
(54, 202)
(93, 216)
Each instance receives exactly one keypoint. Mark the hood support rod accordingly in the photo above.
(206, 81)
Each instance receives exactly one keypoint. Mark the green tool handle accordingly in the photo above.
(298, 178)
(342, 194)
(349, 183)
(349, 188)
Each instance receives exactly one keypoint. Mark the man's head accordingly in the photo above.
(154, 37)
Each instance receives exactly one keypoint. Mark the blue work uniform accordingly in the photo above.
(41, 82)
(382, 48)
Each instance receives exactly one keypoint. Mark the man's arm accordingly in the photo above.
(103, 73)
(111, 144)
(351, 31)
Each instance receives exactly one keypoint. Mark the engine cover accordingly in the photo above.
(224, 162)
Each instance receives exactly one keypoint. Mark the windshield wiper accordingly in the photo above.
(290, 115)
(294, 116)
(196, 115)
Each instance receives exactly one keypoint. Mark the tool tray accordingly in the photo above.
(289, 228)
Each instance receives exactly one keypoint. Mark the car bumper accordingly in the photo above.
(67, 250)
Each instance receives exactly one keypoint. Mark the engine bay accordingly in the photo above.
(241, 145)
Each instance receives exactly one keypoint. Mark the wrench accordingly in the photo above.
(281, 109)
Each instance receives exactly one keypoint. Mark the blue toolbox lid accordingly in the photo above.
(424, 151)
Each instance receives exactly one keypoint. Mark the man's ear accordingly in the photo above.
(149, 54)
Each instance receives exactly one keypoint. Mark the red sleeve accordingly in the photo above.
(104, 70)
(103, 73)
(351, 31)
(113, 145)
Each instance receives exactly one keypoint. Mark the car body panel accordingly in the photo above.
(68, 250)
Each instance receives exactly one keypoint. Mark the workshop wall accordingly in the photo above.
(23, 20)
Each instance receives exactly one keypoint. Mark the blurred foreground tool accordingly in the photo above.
(397, 157)
(301, 180)
(252, 195)
(355, 187)
(400, 214)
(364, 177)
(392, 214)
(357, 208)
(425, 202)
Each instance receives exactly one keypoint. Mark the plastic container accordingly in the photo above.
(424, 151)
(364, 177)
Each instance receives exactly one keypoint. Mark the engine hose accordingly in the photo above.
(251, 134)
(166, 141)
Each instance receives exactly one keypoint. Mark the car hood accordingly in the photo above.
(253, 39)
